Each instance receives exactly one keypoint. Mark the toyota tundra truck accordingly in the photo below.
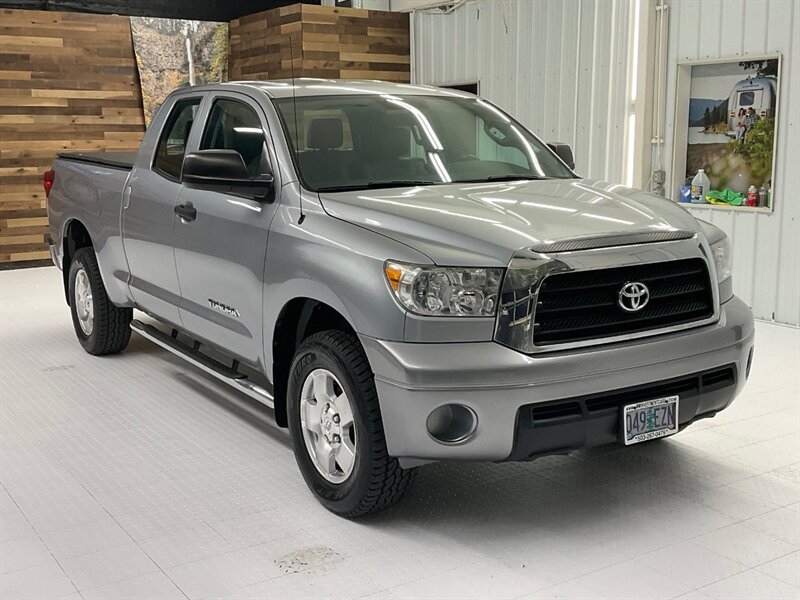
(403, 274)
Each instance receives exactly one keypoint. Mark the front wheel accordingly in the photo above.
(101, 327)
(336, 428)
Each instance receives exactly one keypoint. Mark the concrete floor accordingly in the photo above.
(136, 476)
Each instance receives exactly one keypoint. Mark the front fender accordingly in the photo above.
(336, 263)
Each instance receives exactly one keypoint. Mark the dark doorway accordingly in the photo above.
(472, 88)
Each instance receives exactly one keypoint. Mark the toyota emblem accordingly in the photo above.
(633, 296)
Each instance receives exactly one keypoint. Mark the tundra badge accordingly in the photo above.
(223, 308)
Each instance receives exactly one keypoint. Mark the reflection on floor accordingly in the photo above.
(138, 477)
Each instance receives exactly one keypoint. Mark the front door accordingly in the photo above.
(220, 253)
(148, 213)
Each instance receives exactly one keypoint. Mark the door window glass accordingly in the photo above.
(172, 145)
(233, 125)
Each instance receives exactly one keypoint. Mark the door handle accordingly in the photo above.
(186, 211)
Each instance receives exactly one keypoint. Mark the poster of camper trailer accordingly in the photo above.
(731, 137)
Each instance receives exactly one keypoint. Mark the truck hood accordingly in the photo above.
(482, 224)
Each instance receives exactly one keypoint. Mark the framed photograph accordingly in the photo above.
(726, 116)
(173, 53)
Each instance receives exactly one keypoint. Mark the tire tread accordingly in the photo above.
(112, 330)
(387, 480)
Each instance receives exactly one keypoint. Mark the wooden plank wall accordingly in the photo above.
(335, 43)
(261, 45)
(68, 82)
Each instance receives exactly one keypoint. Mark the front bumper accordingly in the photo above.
(497, 383)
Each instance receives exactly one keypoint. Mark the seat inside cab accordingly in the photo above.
(333, 159)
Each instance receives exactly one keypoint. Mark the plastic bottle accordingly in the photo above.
(762, 195)
(752, 196)
(700, 187)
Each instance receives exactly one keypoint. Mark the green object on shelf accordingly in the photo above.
(726, 196)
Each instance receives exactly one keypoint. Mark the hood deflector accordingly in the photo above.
(607, 241)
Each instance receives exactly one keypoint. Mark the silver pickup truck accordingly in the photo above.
(404, 274)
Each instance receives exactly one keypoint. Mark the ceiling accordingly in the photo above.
(203, 10)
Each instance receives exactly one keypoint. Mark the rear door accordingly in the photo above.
(147, 212)
(220, 254)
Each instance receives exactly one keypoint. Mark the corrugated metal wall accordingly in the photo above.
(766, 261)
(559, 67)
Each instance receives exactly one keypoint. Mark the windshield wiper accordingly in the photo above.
(504, 178)
(370, 185)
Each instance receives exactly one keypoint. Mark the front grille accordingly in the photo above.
(686, 387)
(558, 426)
(583, 305)
(680, 387)
(560, 410)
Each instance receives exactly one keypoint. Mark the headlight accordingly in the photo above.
(445, 291)
(723, 258)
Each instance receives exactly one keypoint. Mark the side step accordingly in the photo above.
(213, 367)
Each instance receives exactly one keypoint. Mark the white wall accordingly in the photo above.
(766, 261)
(397, 5)
(559, 67)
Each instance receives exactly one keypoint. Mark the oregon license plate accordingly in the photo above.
(649, 419)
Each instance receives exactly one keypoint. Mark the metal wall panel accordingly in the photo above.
(559, 67)
(766, 270)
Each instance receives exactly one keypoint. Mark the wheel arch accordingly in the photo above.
(298, 319)
(75, 237)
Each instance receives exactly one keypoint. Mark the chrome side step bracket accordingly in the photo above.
(193, 356)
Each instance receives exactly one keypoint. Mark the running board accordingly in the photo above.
(226, 374)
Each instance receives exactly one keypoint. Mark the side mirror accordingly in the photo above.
(564, 152)
(223, 171)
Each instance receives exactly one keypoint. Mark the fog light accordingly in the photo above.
(452, 423)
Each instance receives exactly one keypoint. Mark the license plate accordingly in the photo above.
(649, 420)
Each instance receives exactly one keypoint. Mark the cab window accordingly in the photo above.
(172, 144)
(233, 125)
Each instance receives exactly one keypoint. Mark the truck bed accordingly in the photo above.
(116, 160)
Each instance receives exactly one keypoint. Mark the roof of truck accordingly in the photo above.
(309, 86)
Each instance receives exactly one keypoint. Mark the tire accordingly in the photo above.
(376, 481)
(101, 327)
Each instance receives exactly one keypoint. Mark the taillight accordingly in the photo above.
(48, 180)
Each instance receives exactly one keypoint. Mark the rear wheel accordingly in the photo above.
(101, 327)
(336, 428)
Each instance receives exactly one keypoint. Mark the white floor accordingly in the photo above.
(138, 477)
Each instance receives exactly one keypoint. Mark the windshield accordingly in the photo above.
(363, 141)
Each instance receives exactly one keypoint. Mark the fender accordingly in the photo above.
(280, 299)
